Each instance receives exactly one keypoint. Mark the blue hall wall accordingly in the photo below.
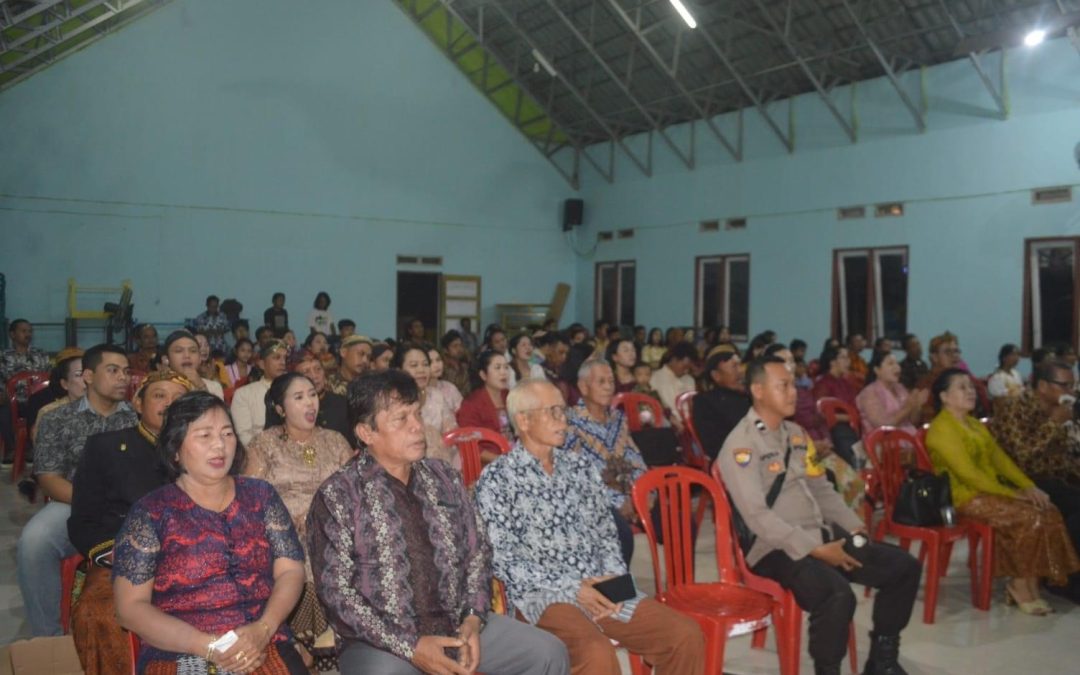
(243, 147)
(965, 183)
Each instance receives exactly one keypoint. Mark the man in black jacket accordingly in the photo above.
(717, 411)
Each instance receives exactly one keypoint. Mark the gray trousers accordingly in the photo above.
(507, 647)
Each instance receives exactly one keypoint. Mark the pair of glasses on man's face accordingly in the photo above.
(555, 412)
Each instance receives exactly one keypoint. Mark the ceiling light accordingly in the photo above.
(544, 62)
(684, 13)
(1032, 39)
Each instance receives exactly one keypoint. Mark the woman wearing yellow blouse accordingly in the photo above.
(1030, 539)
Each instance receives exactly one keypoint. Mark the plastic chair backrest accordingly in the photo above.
(631, 403)
(134, 645)
(884, 446)
(693, 450)
(673, 486)
(39, 385)
(68, 567)
(30, 377)
(830, 407)
(467, 440)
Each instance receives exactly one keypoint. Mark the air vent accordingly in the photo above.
(434, 261)
(735, 224)
(605, 236)
(625, 234)
(892, 210)
(1053, 195)
(851, 212)
(709, 226)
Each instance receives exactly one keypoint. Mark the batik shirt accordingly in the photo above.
(609, 448)
(359, 559)
(214, 326)
(548, 532)
(211, 570)
(63, 433)
(13, 362)
(1041, 447)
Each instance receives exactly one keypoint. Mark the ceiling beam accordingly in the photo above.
(669, 73)
(997, 92)
(644, 165)
(890, 73)
(845, 125)
(687, 158)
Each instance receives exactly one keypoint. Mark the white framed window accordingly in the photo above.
(615, 283)
(722, 293)
(1051, 292)
(870, 292)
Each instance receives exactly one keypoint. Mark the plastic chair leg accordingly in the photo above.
(853, 650)
(932, 546)
(637, 665)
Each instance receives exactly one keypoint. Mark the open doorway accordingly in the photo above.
(418, 298)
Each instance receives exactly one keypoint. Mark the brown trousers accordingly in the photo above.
(671, 642)
(100, 642)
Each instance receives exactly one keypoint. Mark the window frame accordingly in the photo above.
(1028, 326)
(618, 266)
(724, 259)
(875, 305)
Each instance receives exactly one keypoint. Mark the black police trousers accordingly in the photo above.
(825, 593)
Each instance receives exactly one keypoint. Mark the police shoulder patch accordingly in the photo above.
(742, 456)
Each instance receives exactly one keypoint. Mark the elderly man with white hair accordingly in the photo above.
(602, 436)
(553, 539)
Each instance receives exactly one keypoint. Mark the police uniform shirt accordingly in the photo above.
(750, 461)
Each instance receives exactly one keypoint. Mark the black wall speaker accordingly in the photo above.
(573, 212)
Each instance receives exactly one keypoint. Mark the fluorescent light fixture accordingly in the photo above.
(544, 63)
(684, 13)
(1032, 39)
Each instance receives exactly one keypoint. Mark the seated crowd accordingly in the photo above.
(299, 494)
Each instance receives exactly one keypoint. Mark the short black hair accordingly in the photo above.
(682, 350)
(346, 323)
(756, 369)
(1040, 355)
(774, 348)
(942, 383)
(275, 396)
(277, 295)
(178, 417)
(262, 330)
(177, 335)
(404, 348)
(16, 322)
(1005, 350)
(798, 344)
(551, 338)
(449, 338)
(321, 295)
(374, 392)
(214, 298)
(93, 357)
(1047, 369)
(880, 341)
(906, 340)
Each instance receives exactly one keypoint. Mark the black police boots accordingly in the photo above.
(827, 670)
(884, 652)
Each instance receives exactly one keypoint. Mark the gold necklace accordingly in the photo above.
(307, 450)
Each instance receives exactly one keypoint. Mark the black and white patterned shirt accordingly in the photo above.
(13, 362)
(63, 432)
(548, 532)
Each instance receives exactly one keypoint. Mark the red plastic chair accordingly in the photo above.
(468, 440)
(884, 447)
(830, 408)
(722, 609)
(631, 404)
(789, 626)
(693, 451)
(134, 645)
(135, 378)
(68, 567)
(18, 424)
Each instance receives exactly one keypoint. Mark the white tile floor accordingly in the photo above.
(963, 640)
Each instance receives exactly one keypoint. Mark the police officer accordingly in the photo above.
(799, 532)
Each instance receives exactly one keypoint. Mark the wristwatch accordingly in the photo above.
(469, 611)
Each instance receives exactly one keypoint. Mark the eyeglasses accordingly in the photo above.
(555, 412)
(1063, 385)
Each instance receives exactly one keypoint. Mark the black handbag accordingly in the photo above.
(924, 498)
